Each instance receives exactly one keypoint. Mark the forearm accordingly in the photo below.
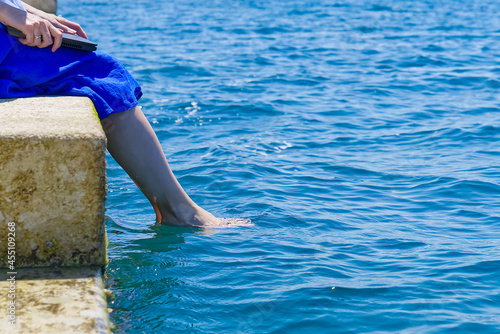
(9, 13)
(35, 11)
(12, 16)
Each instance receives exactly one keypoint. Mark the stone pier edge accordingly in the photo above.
(45, 302)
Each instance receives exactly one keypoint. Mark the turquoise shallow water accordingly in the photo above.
(361, 138)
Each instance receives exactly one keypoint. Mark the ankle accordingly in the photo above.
(182, 215)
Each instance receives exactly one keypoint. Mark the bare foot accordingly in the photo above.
(204, 219)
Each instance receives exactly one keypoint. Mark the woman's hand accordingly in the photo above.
(40, 33)
(66, 25)
(58, 21)
(43, 29)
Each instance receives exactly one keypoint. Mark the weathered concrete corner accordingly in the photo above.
(52, 181)
(57, 300)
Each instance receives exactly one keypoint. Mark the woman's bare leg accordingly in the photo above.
(134, 145)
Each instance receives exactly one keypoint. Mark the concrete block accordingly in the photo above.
(52, 182)
(55, 300)
(49, 6)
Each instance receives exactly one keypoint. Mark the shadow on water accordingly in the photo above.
(150, 238)
(142, 266)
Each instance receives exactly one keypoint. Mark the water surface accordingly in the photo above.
(361, 138)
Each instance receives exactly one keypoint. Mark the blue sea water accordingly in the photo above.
(360, 137)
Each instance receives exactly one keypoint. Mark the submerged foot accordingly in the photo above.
(202, 218)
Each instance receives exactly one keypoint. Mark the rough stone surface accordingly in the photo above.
(52, 181)
(49, 6)
(48, 300)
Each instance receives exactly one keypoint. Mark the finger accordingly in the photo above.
(79, 31)
(67, 30)
(57, 35)
(46, 37)
(37, 36)
(64, 28)
(29, 39)
(72, 25)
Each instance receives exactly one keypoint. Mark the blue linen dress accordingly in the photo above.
(30, 71)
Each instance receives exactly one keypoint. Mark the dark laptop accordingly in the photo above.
(68, 41)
